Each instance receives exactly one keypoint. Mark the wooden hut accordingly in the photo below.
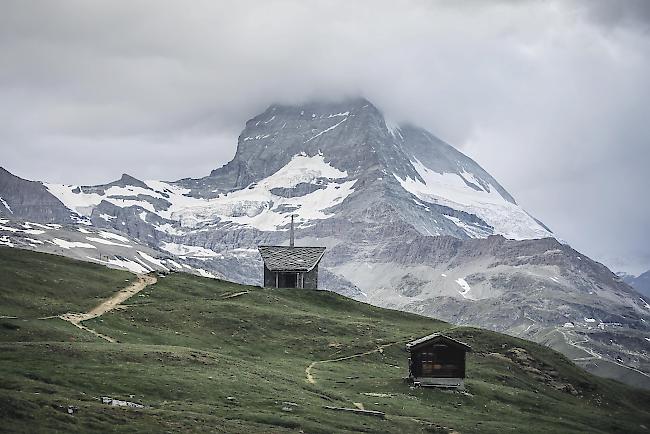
(438, 361)
(291, 266)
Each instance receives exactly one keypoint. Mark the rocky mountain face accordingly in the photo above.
(30, 200)
(409, 222)
(641, 282)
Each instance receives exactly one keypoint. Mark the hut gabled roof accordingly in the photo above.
(436, 337)
(287, 258)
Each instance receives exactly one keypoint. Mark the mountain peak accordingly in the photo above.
(346, 132)
(128, 180)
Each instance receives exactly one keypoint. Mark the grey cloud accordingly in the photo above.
(611, 13)
(550, 97)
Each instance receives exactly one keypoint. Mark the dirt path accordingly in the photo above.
(594, 355)
(75, 319)
(310, 378)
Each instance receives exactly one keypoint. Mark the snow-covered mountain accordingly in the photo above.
(409, 222)
(306, 160)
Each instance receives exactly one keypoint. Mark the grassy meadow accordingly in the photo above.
(205, 355)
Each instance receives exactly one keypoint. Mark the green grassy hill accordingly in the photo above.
(203, 359)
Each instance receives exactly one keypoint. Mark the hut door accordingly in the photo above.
(288, 280)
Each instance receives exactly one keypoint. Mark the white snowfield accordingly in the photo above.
(107, 242)
(84, 203)
(112, 236)
(449, 189)
(72, 244)
(255, 206)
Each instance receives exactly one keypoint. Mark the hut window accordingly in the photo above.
(429, 363)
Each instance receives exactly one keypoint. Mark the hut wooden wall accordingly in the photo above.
(269, 278)
(438, 361)
(311, 279)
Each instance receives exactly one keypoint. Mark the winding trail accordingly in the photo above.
(594, 355)
(75, 319)
(310, 377)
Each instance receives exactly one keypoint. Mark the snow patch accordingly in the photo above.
(72, 244)
(175, 264)
(81, 203)
(645, 304)
(451, 189)
(325, 130)
(24, 231)
(334, 115)
(467, 290)
(127, 264)
(152, 260)
(38, 225)
(141, 262)
(6, 205)
(112, 236)
(471, 230)
(257, 137)
(168, 229)
(107, 242)
(4, 241)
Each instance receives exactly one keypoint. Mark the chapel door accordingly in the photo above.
(288, 280)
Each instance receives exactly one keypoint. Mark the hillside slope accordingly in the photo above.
(210, 356)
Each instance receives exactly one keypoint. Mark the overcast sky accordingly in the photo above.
(551, 97)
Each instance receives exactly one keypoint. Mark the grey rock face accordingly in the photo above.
(30, 200)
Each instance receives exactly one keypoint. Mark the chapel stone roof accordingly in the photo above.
(286, 258)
